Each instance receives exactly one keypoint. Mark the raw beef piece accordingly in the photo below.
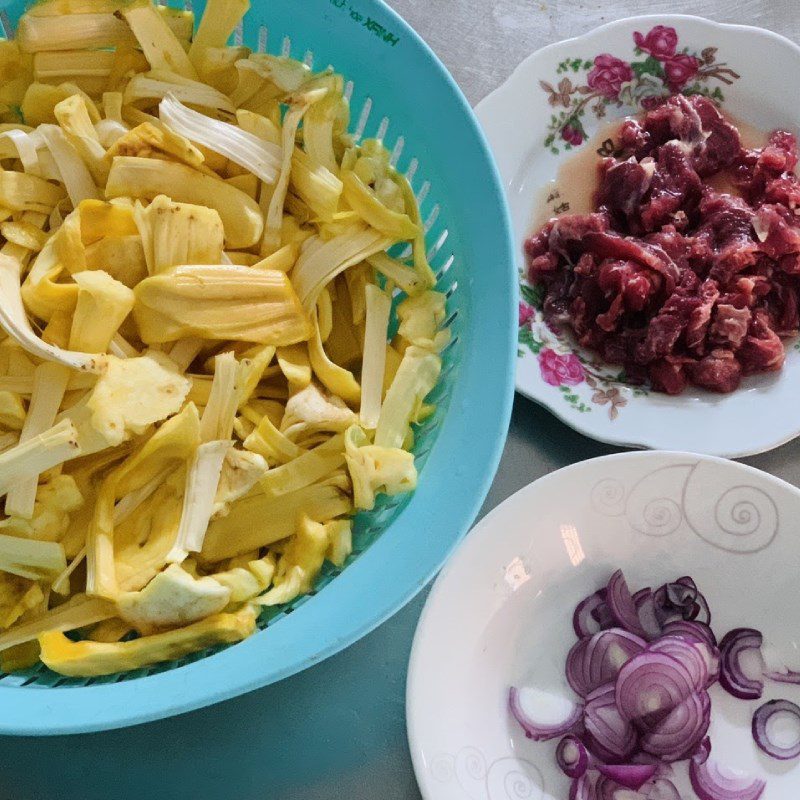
(675, 280)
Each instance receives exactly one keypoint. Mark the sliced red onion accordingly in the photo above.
(776, 729)
(631, 776)
(596, 660)
(651, 684)
(592, 615)
(620, 601)
(697, 662)
(703, 751)
(606, 789)
(701, 611)
(741, 663)
(711, 657)
(680, 600)
(711, 782)
(608, 734)
(692, 630)
(543, 715)
(663, 769)
(646, 611)
(661, 789)
(582, 788)
(665, 612)
(572, 756)
(784, 676)
(682, 593)
(680, 733)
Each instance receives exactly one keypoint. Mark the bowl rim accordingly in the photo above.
(536, 391)
(39, 711)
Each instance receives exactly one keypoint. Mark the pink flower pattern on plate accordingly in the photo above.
(526, 313)
(558, 370)
(658, 67)
(679, 70)
(608, 75)
(660, 42)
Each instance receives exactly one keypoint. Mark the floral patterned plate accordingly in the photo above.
(555, 106)
(500, 613)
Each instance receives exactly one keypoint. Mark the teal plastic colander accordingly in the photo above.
(401, 93)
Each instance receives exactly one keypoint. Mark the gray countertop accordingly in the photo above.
(338, 730)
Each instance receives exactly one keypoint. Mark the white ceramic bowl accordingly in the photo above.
(500, 613)
(748, 71)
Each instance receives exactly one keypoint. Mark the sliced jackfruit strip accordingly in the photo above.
(258, 520)
(90, 659)
(160, 45)
(150, 141)
(310, 467)
(321, 261)
(146, 178)
(416, 376)
(220, 302)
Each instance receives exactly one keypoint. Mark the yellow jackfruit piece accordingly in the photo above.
(259, 520)
(219, 302)
(148, 141)
(55, 501)
(246, 581)
(421, 317)
(374, 469)
(12, 412)
(170, 447)
(340, 540)
(311, 410)
(299, 563)
(87, 659)
(172, 599)
(179, 233)
(146, 178)
(17, 596)
(101, 307)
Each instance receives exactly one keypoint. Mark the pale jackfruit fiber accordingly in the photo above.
(241, 471)
(55, 501)
(312, 410)
(173, 598)
(133, 393)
